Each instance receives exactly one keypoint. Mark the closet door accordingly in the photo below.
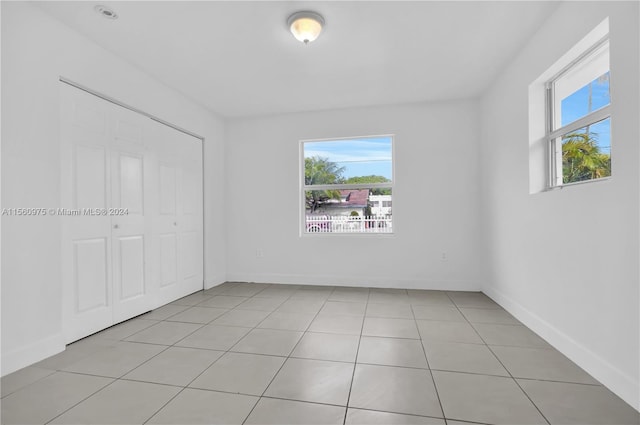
(86, 239)
(133, 238)
(131, 228)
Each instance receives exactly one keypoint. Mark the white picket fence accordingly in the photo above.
(346, 224)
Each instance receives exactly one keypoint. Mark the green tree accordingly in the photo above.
(371, 179)
(318, 170)
(582, 158)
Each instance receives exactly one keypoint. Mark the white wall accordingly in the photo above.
(435, 200)
(36, 51)
(565, 262)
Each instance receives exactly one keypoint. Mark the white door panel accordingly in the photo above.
(85, 250)
(90, 275)
(168, 259)
(132, 234)
(90, 176)
(131, 266)
(167, 189)
(130, 191)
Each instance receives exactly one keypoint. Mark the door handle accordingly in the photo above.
(115, 226)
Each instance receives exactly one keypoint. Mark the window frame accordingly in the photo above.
(555, 174)
(303, 187)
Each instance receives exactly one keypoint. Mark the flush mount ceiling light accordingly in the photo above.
(305, 26)
(106, 12)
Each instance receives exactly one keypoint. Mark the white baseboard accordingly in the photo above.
(624, 386)
(359, 281)
(25, 356)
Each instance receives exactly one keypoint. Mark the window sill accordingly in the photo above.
(566, 185)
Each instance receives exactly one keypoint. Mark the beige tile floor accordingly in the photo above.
(283, 354)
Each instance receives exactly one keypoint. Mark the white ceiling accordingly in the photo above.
(237, 58)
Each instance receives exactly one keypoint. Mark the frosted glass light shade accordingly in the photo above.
(305, 26)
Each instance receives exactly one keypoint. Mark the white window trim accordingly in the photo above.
(304, 187)
(554, 148)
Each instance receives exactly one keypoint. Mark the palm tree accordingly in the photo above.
(318, 170)
(582, 158)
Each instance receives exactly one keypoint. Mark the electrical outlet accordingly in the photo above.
(443, 256)
(259, 253)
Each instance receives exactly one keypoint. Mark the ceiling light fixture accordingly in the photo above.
(106, 12)
(305, 26)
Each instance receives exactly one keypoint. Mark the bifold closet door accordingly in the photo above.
(178, 220)
(133, 238)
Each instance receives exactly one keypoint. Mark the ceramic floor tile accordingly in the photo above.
(563, 403)
(287, 321)
(438, 312)
(312, 380)
(246, 318)
(223, 301)
(23, 377)
(268, 341)
(329, 323)
(544, 364)
(394, 389)
(391, 352)
(341, 308)
(372, 417)
(423, 297)
(313, 291)
(123, 402)
(485, 399)
(44, 400)
(244, 291)
(174, 366)
(388, 297)
(214, 337)
(306, 306)
(75, 352)
(116, 361)
(354, 295)
(460, 357)
(164, 312)
(513, 335)
(275, 292)
(165, 333)
(398, 311)
(193, 299)
(125, 329)
(262, 304)
(202, 315)
(386, 327)
(432, 330)
(486, 315)
(270, 411)
(240, 373)
(325, 346)
(472, 299)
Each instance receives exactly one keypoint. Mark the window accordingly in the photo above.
(347, 185)
(579, 119)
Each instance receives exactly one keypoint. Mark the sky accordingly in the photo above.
(576, 106)
(361, 157)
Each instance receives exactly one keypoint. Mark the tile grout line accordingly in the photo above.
(424, 351)
(355, 361)
(288, 356)
(499, 361)
(205, 369)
